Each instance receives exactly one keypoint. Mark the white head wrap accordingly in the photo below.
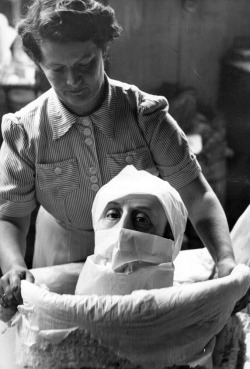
(133, 181)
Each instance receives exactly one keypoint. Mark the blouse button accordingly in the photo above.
(92, 170)
(87, 131)
(129, 159)
(58, 170)
(93, 179)
(86, 122)
(95, 187)
(88, 141)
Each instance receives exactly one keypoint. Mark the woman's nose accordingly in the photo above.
(126, 222)
(72, 78)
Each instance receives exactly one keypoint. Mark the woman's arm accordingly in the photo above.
(209, 221)
(12, 251)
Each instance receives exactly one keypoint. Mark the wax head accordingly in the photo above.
(138, 212)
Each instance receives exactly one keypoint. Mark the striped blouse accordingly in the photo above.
(61, 160)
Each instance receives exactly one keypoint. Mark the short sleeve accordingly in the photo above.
(17, 175)
(167, 142)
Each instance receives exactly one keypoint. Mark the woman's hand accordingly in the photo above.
(10, 286)
(13, 232)
(225, 266)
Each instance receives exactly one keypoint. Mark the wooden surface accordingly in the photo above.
(163, 42)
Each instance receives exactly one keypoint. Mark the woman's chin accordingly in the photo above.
(81, 102)
(79, 106)
(77, 97)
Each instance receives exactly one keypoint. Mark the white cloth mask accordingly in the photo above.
(126, 260)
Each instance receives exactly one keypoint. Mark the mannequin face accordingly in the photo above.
(138, 212)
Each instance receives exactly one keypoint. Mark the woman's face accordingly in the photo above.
(76, 72)
(142, 213)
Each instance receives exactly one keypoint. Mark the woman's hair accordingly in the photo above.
(67, 21)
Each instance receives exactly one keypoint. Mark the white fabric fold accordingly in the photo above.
(153, 328)
(240, 236)
(118, 246)
(125, 261)
(99, 280)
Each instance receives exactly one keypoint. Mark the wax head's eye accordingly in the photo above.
(113, 214)
(142, 222)
(142, 218)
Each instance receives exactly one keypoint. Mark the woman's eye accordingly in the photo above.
(113, 214)
(87, 66)
(58, 70)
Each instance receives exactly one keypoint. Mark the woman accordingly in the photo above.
(60, 149)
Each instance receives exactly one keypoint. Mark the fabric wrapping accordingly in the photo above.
(154, 329)
(133, 181)
(240, 236)
(125, 260)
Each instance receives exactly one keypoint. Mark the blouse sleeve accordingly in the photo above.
(17, 179)
(167, 142)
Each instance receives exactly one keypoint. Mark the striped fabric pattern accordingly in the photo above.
(60, 160)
